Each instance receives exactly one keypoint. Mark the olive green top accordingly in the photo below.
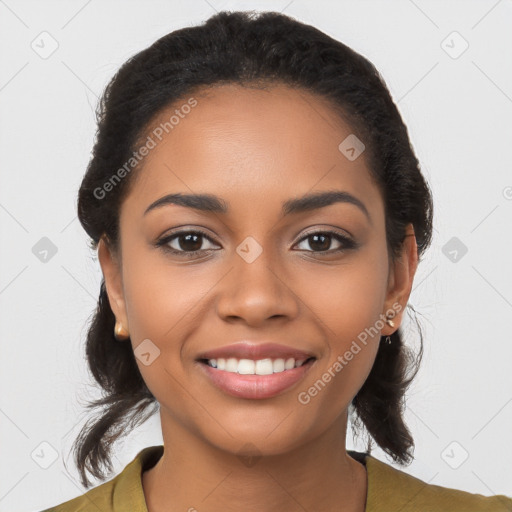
(389, 490)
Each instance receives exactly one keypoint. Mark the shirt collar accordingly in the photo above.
(128, 493)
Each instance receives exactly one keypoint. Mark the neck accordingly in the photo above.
(193, 475)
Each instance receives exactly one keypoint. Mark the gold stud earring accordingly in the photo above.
(391, 324)
(120, 332)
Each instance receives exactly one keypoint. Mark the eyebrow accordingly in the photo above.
(214, 204)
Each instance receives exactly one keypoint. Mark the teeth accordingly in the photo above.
(264, 367)
(278, 366)
(231, 365)
(251, 367)
(244, 367)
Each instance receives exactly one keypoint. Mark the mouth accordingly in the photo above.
(255, 379)
(267, 366)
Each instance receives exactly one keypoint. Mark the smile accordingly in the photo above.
(266, 366)
(253, 379)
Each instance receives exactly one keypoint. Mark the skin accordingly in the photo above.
(256, 149)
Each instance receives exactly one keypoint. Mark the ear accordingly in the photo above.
(111, 268)
(401, 276)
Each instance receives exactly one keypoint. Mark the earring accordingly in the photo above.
(391, 324)
(120, 333)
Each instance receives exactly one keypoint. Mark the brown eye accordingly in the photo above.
(190, 242)
(186, 242)
(321, 241)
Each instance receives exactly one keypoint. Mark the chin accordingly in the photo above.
(248, 441)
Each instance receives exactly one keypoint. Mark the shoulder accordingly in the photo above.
(122, 493)
(99, 498)
(392, 489)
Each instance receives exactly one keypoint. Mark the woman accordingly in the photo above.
(259, 215)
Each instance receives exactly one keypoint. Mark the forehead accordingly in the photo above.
(249, 144)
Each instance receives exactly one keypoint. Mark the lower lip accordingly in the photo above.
(256, 387)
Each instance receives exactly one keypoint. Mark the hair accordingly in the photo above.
(245, 48)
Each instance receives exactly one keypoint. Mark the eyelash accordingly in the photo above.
(346, 242)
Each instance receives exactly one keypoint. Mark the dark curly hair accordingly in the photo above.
(245, 48)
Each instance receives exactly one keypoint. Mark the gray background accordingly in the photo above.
(457, 104)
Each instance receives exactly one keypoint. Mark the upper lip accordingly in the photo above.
(256, 351)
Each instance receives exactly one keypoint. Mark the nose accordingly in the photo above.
(256, 292)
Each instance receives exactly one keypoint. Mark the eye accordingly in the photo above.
(186, 243)
(320, 241)
(190, 243)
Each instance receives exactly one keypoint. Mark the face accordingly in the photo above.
(314, 278)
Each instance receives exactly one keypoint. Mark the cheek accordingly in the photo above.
(349, 307)
(161, 305)
(348, 299)
(165, 304)
(160, 298)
